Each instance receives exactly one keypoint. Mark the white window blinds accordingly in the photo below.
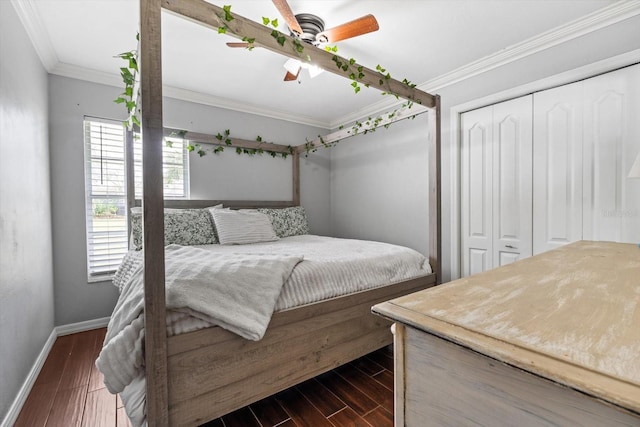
(106, 190)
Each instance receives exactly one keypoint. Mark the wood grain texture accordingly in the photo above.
(303, 415)
(448, 384)
(296, 178)
(569, 315)
(150, 63)
(320, 397)
(399, 372)
(435, 190)
(373, 389)
(99, 409)
(36, 408)
(379, 417)
(348, 417)
(269, 412)
(68, 407)
(214, 364)
(348, 393)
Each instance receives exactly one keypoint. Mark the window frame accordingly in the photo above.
(124, 169)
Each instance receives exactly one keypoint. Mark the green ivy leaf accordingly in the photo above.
(238, 150)
(265, 20)
(168, 143)
(190, 148)
(201, 153)
(119, 100)
(259, 138)
(222, 30)
(227, 13)
(281, 40)
(274, 23)
(352, 61)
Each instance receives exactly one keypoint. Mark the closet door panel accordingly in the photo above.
(557, 167)
(611, 143)
(512, 180)
(476, 191)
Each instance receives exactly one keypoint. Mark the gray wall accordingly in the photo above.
(258, 177)
(379, 185)
(399, 174)
(26, 284)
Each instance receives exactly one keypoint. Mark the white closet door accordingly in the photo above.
(557, 167)
(476, 191)
(512, 180)
(611, 144)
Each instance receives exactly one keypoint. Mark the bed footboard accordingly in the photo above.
(213, 372)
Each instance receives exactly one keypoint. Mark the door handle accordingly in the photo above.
(510, 247)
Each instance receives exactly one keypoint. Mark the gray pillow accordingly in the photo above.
(186, 227)
(288, 221)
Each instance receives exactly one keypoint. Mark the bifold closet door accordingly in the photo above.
(611, 142)
(496, 185)
(512, 180)
(557, 173)
(476, 181)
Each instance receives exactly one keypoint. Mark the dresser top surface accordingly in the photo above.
(571, 315)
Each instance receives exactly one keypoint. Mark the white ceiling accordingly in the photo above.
(429, 42)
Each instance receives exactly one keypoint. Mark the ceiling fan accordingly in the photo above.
(310, 29)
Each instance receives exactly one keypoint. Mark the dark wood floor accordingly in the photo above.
(69, 392)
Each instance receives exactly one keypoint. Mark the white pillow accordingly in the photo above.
(242, 227)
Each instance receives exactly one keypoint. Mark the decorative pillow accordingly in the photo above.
(288, 221)
(185, 227)
(242, 227)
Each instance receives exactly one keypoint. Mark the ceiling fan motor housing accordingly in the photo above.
(311, 26)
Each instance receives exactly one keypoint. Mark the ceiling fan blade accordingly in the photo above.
(287, 14)
(290, 77)
(238, 44)
(357, 27)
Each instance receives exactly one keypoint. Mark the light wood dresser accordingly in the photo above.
(552, 340)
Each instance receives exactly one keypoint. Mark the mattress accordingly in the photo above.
(331, 267)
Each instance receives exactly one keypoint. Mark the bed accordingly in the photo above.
(200, 375)
(328, 290)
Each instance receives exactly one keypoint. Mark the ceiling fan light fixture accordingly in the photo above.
(293, 66)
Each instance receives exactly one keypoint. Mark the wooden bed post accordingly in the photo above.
(435, 222)
(296, 178)
(153, 214)
(130, 178)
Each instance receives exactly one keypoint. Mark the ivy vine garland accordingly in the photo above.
(130, 95)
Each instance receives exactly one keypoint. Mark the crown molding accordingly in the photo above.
(110, 79)
(230, 104)
(604, 17)
(40, 39)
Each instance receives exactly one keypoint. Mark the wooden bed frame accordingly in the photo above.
(195, 377)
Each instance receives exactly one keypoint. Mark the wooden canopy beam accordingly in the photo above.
(213, 16)
(368, 125)
(234, 142)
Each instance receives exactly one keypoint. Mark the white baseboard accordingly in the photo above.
(16, 406)
(58, 331)
(88, 325)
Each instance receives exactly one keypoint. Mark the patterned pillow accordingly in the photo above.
(288, 221)
(242, 227)
(185, 227)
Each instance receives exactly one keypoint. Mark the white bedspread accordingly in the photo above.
(331, 267)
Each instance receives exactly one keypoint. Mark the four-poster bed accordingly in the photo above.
(301, 342)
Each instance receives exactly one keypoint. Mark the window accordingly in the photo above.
(106, 190)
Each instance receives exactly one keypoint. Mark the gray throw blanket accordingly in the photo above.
(235, 291)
